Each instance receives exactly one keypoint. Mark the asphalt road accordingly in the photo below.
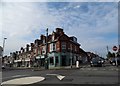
(98, 76)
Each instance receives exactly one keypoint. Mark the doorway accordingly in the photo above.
(64, 60)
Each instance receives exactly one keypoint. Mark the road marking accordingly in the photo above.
(60, 77)
(18, 76)
(25, 80)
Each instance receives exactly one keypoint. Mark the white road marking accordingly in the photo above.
(60, 77)
(25, 80)
(18, 75)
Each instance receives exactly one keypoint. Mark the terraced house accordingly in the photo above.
(62, 50)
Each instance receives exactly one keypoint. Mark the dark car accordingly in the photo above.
(113, 61)
(96, 62)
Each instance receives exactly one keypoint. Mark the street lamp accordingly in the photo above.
(46, 57)
(3, 46)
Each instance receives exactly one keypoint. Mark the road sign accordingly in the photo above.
(114, 48)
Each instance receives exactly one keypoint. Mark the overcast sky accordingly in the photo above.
(95, 24)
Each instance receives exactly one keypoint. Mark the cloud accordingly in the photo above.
(91, 23)
(60, 0)
(23, 21)
(96, 26)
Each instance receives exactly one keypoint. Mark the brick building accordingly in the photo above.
(62, 50)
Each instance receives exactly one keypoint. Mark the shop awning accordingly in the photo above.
(42, 57)
(38, 57)
(18, 60)
(27, 59)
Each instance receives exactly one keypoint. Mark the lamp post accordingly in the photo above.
(46, 56)
(3, 46)
(3, 51)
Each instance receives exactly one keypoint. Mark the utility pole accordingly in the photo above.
(46, 56)
(3, 46)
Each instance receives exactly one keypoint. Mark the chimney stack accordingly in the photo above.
(59, 31)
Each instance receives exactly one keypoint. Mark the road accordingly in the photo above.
(86, 75)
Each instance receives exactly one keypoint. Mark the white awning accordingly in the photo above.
(27, 59)
(42, 57)
(17, 60)
(38, 57)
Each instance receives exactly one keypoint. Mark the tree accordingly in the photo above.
(113, 55)
(14, 55)
(109, 55)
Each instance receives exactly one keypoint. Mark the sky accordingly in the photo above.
(95, 24)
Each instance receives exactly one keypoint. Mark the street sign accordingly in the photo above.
(114, 48)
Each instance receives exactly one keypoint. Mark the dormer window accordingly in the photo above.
(74, 39)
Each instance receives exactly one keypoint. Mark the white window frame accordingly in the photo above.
(43, 49)
(52, 47)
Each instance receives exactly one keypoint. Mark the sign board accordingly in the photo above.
(114, 48)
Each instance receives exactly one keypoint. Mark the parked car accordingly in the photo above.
(113, 61)
(96, 62)
(3, 67)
